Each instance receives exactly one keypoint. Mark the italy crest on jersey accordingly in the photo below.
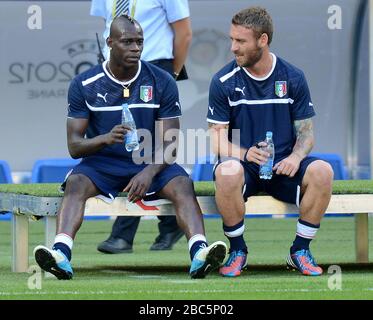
(146, 93)
(281, 88)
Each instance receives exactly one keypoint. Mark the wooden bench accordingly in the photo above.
(43, 200)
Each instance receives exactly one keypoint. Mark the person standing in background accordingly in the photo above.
(166, 25)
(167, 37)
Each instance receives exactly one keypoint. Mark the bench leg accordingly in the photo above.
(361, 237)
(50, 230)
(50, 233)
(19, 243)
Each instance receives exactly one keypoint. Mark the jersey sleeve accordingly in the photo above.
(176, 10)
(77, 107)
(218, 108)
(170, 105)
(98, 8)
(302, 107)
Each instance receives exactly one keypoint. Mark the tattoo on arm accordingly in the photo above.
(305, 139)
(219, 135)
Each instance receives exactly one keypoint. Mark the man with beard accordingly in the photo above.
(255, 93)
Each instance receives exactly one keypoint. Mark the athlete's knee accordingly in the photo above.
(184, 186)
(229, 175)
(78, 186)
(181, 188)
(321, 174)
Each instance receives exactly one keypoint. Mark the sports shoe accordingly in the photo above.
(234, 265)
(114, 245)
(167, 240)
(303, 261)
(207, 259)
(53, 261)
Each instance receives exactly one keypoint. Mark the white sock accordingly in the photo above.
(65, 239)
(306, 231)
(195, 238)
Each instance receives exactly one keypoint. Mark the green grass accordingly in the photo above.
(151, 275)
(202, 188)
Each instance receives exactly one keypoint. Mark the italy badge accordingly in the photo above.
(146, 93)
(281, 88)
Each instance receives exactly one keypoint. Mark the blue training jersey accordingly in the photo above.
(256, 105)
(97, 96)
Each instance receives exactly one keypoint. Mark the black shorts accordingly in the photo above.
(281, 187)
(110, 185)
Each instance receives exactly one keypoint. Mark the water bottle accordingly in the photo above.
(131, 140)
(265, 171)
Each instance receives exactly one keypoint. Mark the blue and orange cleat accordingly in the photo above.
(234, 265)
(303, 261)
(53, 261)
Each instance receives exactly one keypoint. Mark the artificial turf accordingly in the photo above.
(149, 275)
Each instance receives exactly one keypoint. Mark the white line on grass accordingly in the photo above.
(146, 277)
(123, 292)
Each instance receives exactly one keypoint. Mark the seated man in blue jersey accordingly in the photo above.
(95, 134)
(255, 93)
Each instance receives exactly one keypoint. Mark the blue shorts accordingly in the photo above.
(281, 187)
(111, 184)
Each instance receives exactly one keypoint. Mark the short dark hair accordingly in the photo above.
(124, 18)
(257, 19)
(128, 17)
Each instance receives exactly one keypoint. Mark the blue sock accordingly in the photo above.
(195, 247)
(235, 236)
(305, 233)
(64, 249)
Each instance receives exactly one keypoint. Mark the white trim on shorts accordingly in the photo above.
(297, 197)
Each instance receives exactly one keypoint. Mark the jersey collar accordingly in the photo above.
(274, 61)
(125, 83)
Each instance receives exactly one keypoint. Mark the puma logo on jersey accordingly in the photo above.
(99, 95)
(211, 110)
(240, 90)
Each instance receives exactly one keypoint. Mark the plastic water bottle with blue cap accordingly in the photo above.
(131, 139)
(265, 171)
